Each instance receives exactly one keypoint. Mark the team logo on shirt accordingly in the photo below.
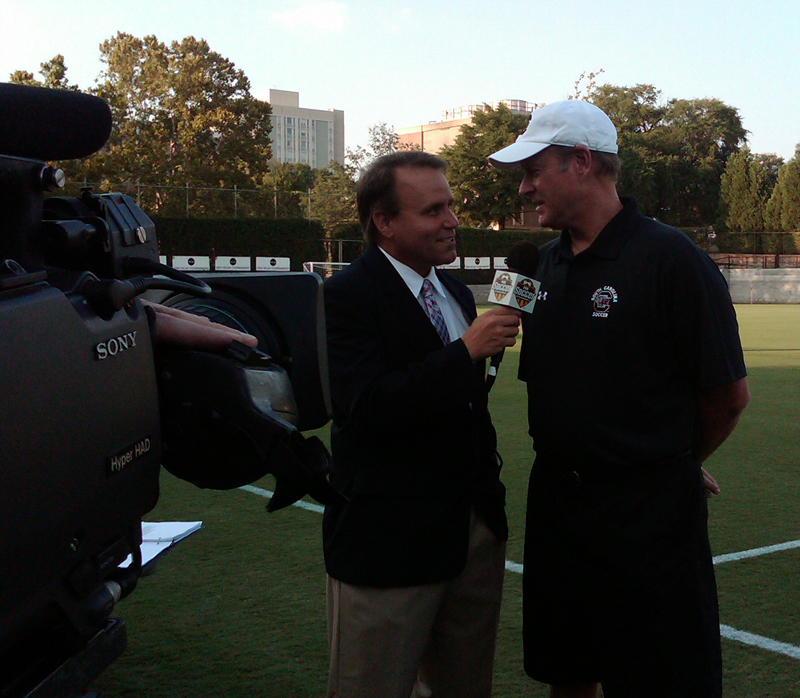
(602, 299)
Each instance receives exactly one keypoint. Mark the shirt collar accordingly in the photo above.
(412, 279)
(609, 243)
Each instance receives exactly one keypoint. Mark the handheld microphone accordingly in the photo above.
(514, 288)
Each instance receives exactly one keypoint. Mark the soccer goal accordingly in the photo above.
(324, 269)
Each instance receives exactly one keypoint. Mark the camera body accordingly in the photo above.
(80, 444)
(80, 456)
(90, 410)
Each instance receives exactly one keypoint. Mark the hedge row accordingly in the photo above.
(483, 242)
(297, 238)
(758, 243)
(302, 241)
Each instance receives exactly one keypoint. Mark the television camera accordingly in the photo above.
(90, 410)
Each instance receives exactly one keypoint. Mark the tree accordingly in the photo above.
(634, 110)
(789, 183)
(673, 154)
(290, 182)
(770, 165)
(772, 215)
(53, 72)
(183, 115)
(24, 77)
(741, 193)
(581, 91)
(382, 141)
(783, 210)
(697, 136)
(333, 200)
(483, 194)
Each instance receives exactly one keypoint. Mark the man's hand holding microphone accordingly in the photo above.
(514, 290)
(492, 332)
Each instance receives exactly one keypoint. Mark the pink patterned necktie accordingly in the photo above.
(434, 312)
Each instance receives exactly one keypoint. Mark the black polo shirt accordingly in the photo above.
(622, 339)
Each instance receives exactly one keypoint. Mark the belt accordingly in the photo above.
(573, 474)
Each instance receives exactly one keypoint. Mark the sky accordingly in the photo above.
(403, 62)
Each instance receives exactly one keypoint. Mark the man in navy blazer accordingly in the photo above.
(416, 556)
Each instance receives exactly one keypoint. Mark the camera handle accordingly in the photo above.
(228, 420)
(107, 296)
(180, 281)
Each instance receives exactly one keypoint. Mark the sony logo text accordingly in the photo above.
(115, 345)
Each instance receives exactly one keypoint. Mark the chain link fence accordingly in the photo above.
(206, 202)
(169, 201)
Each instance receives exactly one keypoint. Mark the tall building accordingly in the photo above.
(311, 136)
(432, 137)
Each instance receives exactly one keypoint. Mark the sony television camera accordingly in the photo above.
(90, 409)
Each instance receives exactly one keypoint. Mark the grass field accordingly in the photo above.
(239, 609)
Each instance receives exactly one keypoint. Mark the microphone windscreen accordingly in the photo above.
(44, 124)
(523, 258)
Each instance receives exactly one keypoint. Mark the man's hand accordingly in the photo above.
(710, 484)
(182, 329)
(492, 332)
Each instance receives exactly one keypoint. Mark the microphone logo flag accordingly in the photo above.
(514, 291)
(525, 292)
(502, 286)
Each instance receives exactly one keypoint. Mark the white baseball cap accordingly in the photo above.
(569, 123)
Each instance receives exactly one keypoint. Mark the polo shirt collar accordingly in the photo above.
(612, 238)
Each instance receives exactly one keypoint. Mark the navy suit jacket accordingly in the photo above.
(413, 445)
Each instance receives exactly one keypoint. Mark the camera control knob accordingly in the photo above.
(52, 178)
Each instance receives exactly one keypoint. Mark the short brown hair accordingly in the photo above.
(608, 164)
(377, 191)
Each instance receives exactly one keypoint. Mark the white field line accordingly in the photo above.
(718, 559)
(514, 567)
(517, 567)
(726, 631)
(756, 552)
(763, 643)
(300, 504)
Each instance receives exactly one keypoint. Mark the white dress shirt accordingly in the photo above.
(452, 312)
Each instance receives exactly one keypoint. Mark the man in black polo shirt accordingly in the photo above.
(635, 375)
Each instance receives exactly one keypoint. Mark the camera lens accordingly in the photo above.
(238, 314)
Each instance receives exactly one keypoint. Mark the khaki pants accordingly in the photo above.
(435, 640)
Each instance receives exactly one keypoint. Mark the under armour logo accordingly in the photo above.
(541, 296)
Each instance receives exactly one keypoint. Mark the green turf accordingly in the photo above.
(238, 609)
